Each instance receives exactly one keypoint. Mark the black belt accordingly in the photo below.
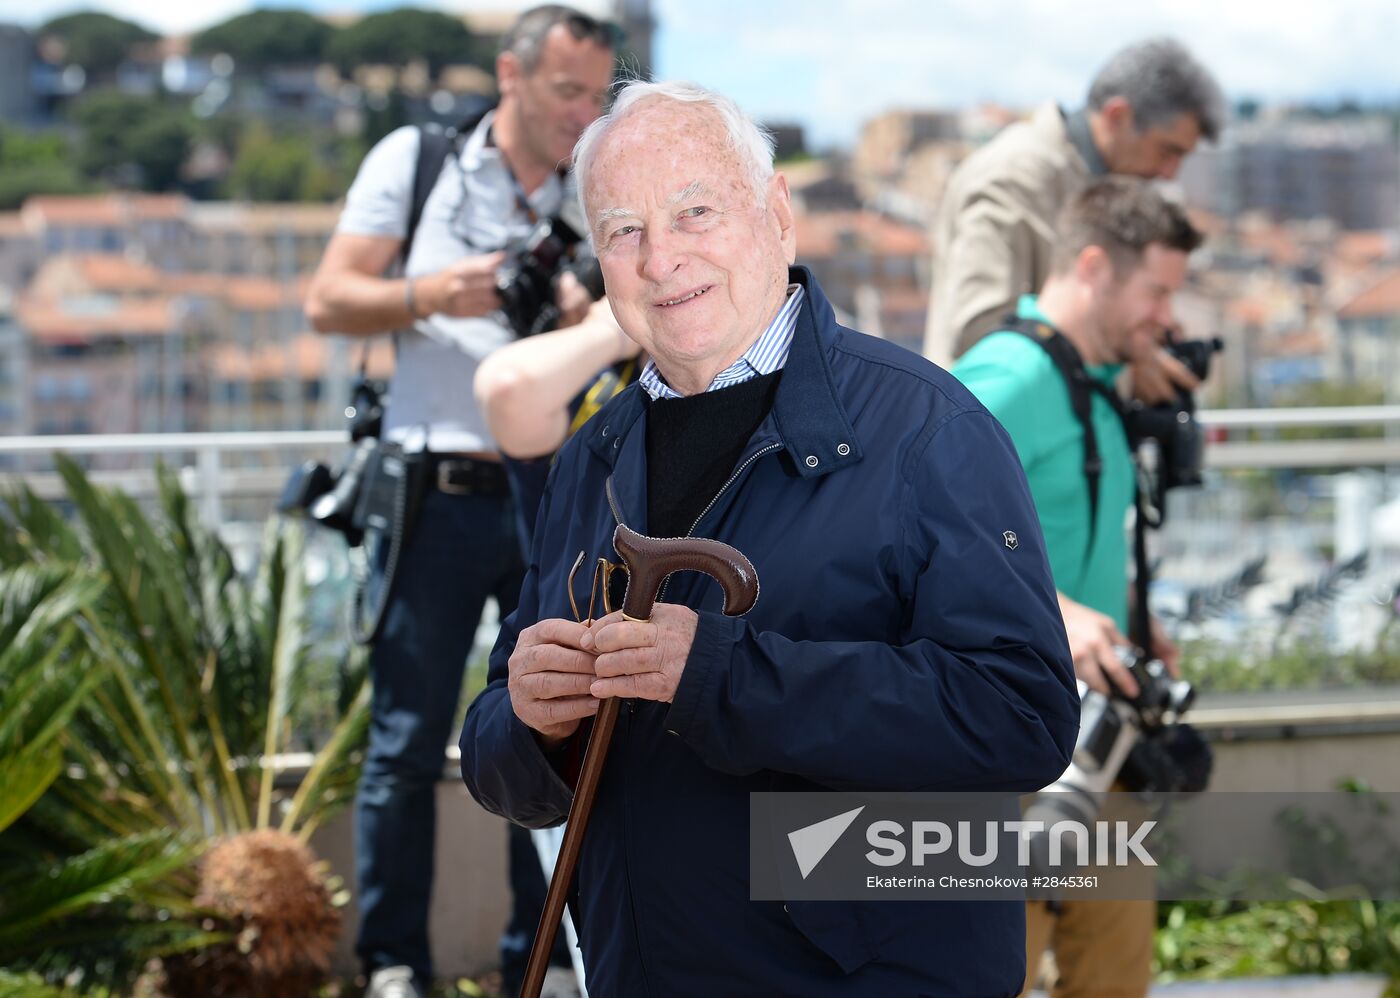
(466, 476)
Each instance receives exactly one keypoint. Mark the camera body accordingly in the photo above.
(1138, 741)
(351, 496)
(1110, 725)
(526, 280)
(1173, 424)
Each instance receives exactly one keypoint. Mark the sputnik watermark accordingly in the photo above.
(1102, 843)
(917, 846)
(1114, 845)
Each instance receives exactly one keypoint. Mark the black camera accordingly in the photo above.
(1137, 742)
(1112, 728)
(366, 408)
(1173, 424)
(351, 496)
(527, 280)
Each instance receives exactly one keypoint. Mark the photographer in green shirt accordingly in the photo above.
(1120, 255)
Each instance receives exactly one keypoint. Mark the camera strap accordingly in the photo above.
(1082, 389)
(604, 387)
(434, 145)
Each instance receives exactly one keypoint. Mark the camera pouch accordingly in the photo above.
(386, 509)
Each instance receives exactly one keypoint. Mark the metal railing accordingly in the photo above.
(1330, 453)
(199, 458)
(206, 471)
(1211, 532)
(1334, 453)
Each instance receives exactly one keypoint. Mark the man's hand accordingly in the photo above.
(573, 300)
(1093, 637)
(642, 658)
(550, 672)
(1157, 376)
(464, 289)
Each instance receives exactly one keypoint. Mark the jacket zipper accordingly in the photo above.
(631, 703)
(617, 518)
(722, 490)
(624, 735)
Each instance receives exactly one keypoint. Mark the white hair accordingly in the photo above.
(752, 142)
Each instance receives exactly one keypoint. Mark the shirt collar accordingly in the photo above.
(767, 354)
(476, 150)
(807, 418)
(480, 151)
(1082, 138)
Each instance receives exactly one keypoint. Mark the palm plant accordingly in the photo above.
(156, 685)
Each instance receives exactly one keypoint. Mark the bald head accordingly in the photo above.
(692, 228)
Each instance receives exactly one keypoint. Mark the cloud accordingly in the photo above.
(833, 64)
(169, 16)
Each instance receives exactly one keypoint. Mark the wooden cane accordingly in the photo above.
(649, 561)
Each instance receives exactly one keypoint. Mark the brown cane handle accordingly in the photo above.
(649, 560)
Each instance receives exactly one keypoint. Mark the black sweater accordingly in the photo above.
(693, 444)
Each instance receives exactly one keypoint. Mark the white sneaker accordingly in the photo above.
(394, 982)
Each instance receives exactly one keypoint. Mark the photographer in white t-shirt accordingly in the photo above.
(496, 182)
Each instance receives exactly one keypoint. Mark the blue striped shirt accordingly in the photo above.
(768, 353)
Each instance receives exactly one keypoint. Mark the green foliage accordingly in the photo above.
(28, 986)
(138, 140)
(272, 167)
(19, 183)
(20, 148)
(1300, 665)
(267, 37)
(159, 146)
(1220, 939)
(223, 130)
(1309, 933)
(398, 37)
(40, 687)
(35, 163)
(162, 682)
(97, 42)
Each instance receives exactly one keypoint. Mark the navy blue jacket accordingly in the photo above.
(899, 643)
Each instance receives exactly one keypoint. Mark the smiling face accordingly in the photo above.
(695, 261)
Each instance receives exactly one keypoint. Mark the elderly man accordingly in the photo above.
(994, 233)
(907, 637)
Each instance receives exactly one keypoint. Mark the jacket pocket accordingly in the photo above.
(837, 929)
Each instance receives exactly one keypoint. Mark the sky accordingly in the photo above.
(831, 64)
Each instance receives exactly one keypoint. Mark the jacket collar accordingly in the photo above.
(808, 417)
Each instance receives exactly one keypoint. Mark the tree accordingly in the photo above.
(269, 167)
(35, 164)
(397, 37)
(142, 141)
(97, 42)
(19, 183)
(266, 37)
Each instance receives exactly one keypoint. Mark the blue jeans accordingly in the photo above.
(462, 550)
